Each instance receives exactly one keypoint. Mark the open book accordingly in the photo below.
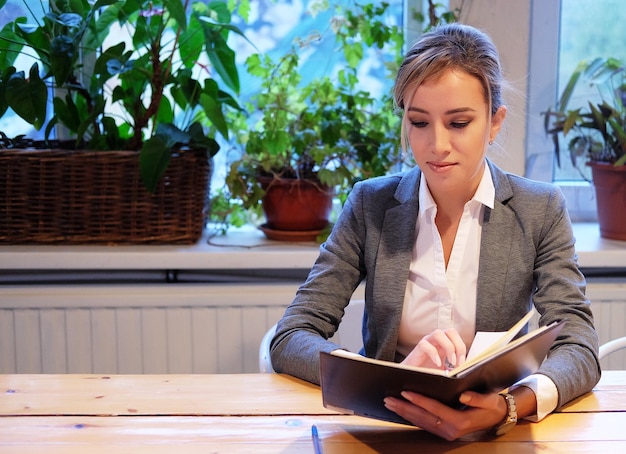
(355, 384)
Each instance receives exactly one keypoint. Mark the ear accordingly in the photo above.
(496, 122)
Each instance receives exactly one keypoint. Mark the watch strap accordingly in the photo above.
(511, 416)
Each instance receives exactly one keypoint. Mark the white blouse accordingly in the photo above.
(440, 298)
(437, 297)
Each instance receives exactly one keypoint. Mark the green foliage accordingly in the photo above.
(152, 94)
(595, 132)
(328, 128)
(436, 14)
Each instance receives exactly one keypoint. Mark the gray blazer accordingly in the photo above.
(527, 257)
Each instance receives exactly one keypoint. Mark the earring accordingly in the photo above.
(491, 142)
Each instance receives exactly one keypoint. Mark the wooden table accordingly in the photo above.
(260, 413)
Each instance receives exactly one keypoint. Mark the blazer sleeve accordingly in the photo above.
(316, 311)
(572, 363)
(528, 257)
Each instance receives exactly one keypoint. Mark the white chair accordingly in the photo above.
(265, 362)
(348, 335)
(612, 346)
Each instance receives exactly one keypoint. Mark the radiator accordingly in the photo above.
(132, 329)
(175, 328)
(608, 303)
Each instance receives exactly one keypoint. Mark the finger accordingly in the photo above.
(414, 414)
(416, 357)
(432, 406)
(430, 350)
(478, 400)
(449, 345)
(459, 346)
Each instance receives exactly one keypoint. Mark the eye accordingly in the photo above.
(419, 124)
(459, 124)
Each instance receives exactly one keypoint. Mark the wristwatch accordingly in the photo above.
(511, 417)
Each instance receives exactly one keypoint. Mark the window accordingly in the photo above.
(587, 30)
(11, 124)
(563, 32)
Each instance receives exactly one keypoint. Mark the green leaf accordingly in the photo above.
(172, 135)
(243, 8)
(222, 58)
(142, 34)
(353, 54)
(89, 120)
(62, 57)
(71, 20)
(97, 32)
(571, 84)
(112, 134)
(10, 46)
(28, 97)
(102, 3)
(36, 38)
(220, 11)
(50, 126)
(153, 161)
(165, 114)
(213, 110)
(67, 112)
(198, 139)
(177, 12)
(191, 42)
(190, 88)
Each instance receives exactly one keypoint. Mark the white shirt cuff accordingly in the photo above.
(545, 392)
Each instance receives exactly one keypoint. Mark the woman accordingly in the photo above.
(451, 247)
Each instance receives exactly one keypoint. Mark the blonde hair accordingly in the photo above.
(451, 47)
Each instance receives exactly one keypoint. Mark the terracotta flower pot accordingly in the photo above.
(610, 185)
(293, 205)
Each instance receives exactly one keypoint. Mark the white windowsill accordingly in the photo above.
(240, 249)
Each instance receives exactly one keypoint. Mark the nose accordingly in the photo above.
(440, 140)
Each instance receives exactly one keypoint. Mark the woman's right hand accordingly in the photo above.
(439, 349)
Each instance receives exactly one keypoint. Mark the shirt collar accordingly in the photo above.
(485, 193)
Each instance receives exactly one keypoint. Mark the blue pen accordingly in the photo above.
(316, 440)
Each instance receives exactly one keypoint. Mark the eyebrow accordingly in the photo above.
(448, 112)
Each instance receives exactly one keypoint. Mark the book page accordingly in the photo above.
(503, 344)
(357, 357)
(486, 342)
(482, 341)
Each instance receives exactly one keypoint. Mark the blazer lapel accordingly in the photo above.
(494, 254)
(394, 256)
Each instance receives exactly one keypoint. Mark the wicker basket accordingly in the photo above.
(86, 197)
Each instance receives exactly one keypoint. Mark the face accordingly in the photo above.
(449, 127)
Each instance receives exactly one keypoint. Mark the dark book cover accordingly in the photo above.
(354, 384)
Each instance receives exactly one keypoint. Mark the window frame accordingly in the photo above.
(542, 92)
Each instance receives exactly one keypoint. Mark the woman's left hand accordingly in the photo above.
(482, 411)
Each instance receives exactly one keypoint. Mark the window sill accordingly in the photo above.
(241, 249)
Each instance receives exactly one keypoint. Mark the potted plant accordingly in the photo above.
(596, 137)
(318, 136)
(132, 80)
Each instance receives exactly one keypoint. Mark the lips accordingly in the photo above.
(440, 166)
